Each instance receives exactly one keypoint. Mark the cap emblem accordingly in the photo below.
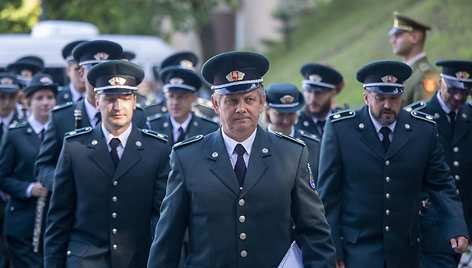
(45, 80)
(235, 76)
(389, 79)
(6, 81)
(186, 64)
(176, 81)
(26, 73)
(101, 56)
(115, 81)
(462, 75)
(287, 99)
(315, 78)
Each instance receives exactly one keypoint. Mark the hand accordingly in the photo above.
(38, 190)
(459, 244)
(340, 264)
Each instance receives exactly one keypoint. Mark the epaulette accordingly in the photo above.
(205, 103)
(342, 115)
(154, 117)
(279, 134)
(62, 106)
(308, 135)
(77, 132)
(17, 124)
(423, 116)
(155, 134)
(208, 119)
(425, 67)
(415, 106)
(188, 141)
(139, 106)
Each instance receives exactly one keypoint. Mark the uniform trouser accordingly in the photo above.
(22, 254)
(436, 260)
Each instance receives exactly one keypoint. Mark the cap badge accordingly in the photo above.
(26, 73)
(101, 56)
(462, 75)
(315, 78)
(287, 99)
(235, 76)
(176, 81)
(389, 79)
(117, 81)
(6, 81)
(45, 80)
(186, 64)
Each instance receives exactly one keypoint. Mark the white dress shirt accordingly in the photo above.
(231, 144)
(123, 137)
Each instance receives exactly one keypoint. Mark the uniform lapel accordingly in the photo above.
(85, 117)
(444, 127)
(100, 154)
(221, 165)
(193, 127)
(308, 124)
(257, 161)
(169, 130)
(462, 125)
(32, 137)
(401, 134)
(130, 155)
(369, 135)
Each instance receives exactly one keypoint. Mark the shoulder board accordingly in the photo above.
(139, 106)
(78, 132)
(425, 67)
(308, 135)
(154, 117)
(188, 141)
(208, 119)
(415, 106)
(17, 124)
(279, 134)
(155, 134)
(204, 102)
(62, 106)
(423, 116)
(342, 115)
(470, 103)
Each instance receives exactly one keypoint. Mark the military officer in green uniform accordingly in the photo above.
(109, 183)
(319, 90)
(453, 119)
(20, 147)
(283, 100)
(408, 37)
(239, 189)
(180, 87)
(9, 87)
(373, 164)
(75, 90)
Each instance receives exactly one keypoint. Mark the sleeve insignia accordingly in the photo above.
(312, 180)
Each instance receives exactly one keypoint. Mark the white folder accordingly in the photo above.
(293, 257)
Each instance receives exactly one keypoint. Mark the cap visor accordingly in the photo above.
(396, 31)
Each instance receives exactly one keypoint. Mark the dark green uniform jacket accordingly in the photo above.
(422, 83)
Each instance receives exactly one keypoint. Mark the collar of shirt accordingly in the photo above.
(176, 125)
(36, 125)
(444, 106)
(231, 144)
(91, 112)
(415, 58)
(7, 120)
(378, 126)
(123, 137)
(75, 94)
(292, 132)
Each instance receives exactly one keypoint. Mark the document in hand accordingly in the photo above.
(293, 257)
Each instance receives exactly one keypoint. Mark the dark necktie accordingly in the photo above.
(182, 135)
(113, 153)
(385, 141)
(81, 98)
(41, 134)
(321, 125)
(240, 167)
(452, 117)
(1, 130)
(98, 117)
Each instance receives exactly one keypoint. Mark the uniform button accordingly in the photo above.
(456, 163)
(69, 253)
(387, 228)
(243, 253)
(242, 236)
(242, 219)
(457, 177)
(456, 149)
(241, 202)
(113, 215)
(115, 183)
(114, 230)
(418, 239)
(12, 208)
(387, 163)
(457, 191)
(387, 195)
(115, 247)
(114, 198)
(387, 212)
(387, 179)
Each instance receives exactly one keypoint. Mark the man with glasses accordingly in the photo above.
(453, 119)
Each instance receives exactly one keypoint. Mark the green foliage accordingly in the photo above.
(18, 16)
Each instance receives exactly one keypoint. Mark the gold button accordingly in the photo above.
(387, 179)
(114, 231)
(456, 149)
(241, 202)
(114, 198)
(387, 163)
(387, 228)
(69, 253)
(456, 163)
(115, 183)
(242, 219)
(387, 212)
(115, 247)
(387, 195)
(457, 177)
(243, 253)
(113, 215)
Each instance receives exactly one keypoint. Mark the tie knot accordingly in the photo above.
(181, 130)
(98, 116)
(239, 149)
(452, 114)
(114, 143)
(385, 131)
(321, 123)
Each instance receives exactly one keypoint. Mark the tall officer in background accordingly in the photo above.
(75, 91)
(283, 100)
(240, 188)
(72, 116)
(408, 38)
(20, 147)
(319, 90)
(370, 179)
(180, 89)
(453, 119)
(109, 183)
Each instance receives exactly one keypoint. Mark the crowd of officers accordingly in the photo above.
(89, 178)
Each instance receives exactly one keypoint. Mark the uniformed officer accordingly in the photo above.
(72, 116)
(239, 189)
(373, 164)
(109, 183)
(283, 100)
(453, 116)
(180, 87)
(75, 90)
(20, 147)
(408, 37)
(319, 90)
(9, 87)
